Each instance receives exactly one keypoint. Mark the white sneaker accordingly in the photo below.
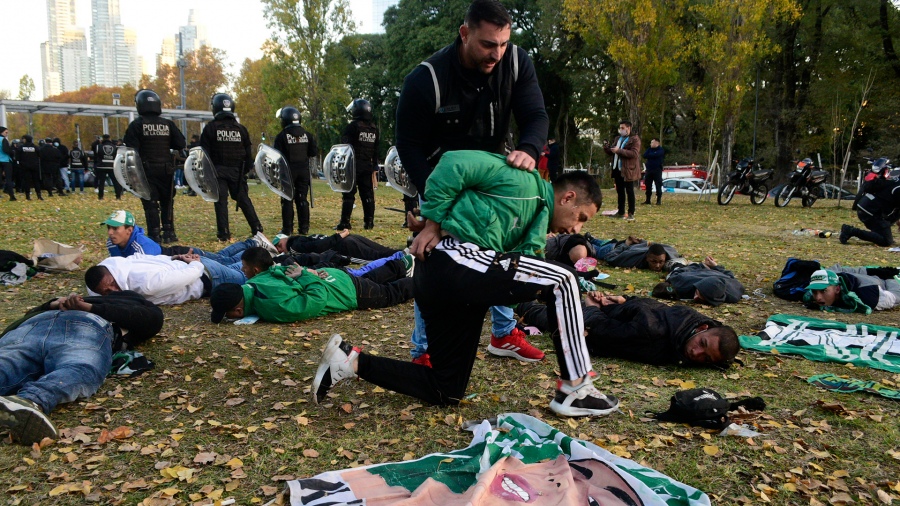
(262, 241)
(336, 365)
(25, 420)
(583, 400)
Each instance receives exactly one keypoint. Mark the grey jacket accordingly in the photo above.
(687, 279)
(634, 256)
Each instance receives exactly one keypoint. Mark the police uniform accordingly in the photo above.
(227, 143)
(77, 164)
(104, 156)
(363, 136)
(30, 166)
(153, 137)
(297, 146)
(51, 160)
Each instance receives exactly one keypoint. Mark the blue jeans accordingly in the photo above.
(228, 255)
(503, 322)
(602, 247)
(56, 357)
(374, 264)
(179, 176)
(64, 175)
(221, 273)
(78, 178)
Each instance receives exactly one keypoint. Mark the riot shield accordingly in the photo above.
(129, 172)
(340, 168)
(396, 174)
(272, 169)
(200, 174)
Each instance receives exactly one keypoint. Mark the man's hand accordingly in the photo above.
(57, 304)
(520, 160)
(343, 233)
(74, 302)
(427, 239)
(598, 299)
(294, 271)
(414, 222)
(710, 262)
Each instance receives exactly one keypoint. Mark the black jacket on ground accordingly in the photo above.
(353, 245)
(134, 318)
(472, 112)
(641, 329)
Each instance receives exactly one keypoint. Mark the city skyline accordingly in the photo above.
(150, 26)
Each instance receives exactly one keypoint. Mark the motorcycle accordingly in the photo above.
(879, 167)
(747, 180)
(806, 182)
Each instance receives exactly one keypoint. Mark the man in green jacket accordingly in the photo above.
(285, 294)
(485, 231)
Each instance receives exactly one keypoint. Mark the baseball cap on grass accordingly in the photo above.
(119, 218)
(278, 238)
(822, 279)
(223, 299)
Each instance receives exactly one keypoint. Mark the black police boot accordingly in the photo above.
(369, 225)
(153, 234)
(168, 235)
(343, 225)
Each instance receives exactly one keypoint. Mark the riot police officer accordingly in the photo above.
(227, 143)
(362, 134)
(297, 146)
(30, 166)
(104, 156)
(153, 137)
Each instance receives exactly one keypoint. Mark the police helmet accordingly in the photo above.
(147, 102)
(222, 102)
(360, 109)
(288, 115)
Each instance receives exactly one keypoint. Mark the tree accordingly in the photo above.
(257, 111)
(26, 87)
(204, 75)
(643, 41)
(729, 41)
(307, 67)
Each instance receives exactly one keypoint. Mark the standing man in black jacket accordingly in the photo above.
(362, 134)
(463, 97)
(297, 146)
(30, 165)
(51, 161)
(104, 156)
(153, 137)
(62, 351)
(63, 164)
(77, 163)
(7, 158)
(227, 142)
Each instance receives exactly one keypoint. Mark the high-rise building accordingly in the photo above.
(114, 59)
(64, 57)
(193, 36)
(168, 54)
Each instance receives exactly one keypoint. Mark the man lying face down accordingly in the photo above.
(648, 331)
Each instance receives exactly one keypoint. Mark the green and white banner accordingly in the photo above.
(521, 460)
(860, 344)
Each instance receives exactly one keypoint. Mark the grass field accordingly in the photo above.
(226, 411)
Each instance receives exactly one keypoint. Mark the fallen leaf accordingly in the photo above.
(309, 452)
(711, 450)
(234, 401)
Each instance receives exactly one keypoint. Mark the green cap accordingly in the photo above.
(278, 238)
(822, 279)
(119, 218)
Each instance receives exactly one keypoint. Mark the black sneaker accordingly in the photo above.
(845, 234)
(25, 420)
(335, 365)
(583, 400)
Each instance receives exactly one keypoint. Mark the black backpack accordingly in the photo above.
(705, 408)
(794, 279)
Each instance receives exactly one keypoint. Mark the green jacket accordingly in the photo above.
(478, 198)
(277, 298)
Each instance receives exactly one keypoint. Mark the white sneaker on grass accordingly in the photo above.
(336, 365)
(25, 420)
(582, 400)
(263, 242)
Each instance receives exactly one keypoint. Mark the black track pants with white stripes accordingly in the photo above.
(454, 287)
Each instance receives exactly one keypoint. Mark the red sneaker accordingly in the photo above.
(423, 359)
(514, 345)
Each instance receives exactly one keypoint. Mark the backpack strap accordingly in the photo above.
(437, 87)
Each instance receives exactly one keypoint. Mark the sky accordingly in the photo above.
(236, 26)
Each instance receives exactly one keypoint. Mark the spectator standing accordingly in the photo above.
(654, 155)
(626, 170)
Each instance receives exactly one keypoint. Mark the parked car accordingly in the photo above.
(680, 171)
(686, 185)
(831, 192)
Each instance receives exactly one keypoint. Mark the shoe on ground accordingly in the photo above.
(263, 242)
(342, 226)
(336, 365)
(25, 420)
(628, 217)
(616, 216)
(516, 346)
(845, 234)
(583, 400)
(423, 359)
(369, 225)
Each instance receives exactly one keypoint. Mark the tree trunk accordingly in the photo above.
(886, 42)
